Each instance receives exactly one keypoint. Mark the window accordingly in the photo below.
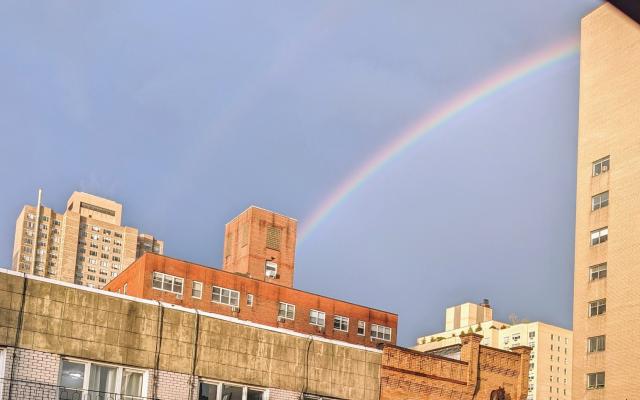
(362, 328)
(599, 201)
(595, 380)
(595, 344)
(316, 318)
(124, 289)
(273, 237)
(515, 337)
(196, 289)
(168, 283)
(380, 332)
(95, 228)
(287, 311)
(118, 235)
(598, 272)
(250, 300)
(597, 307)
(599, 236)
(532, 334)
(341, 323)
(270, 269)
(86, 378)
(223, 391)
(225, 296)
(601, 166)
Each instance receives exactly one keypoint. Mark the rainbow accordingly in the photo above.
(435, 118)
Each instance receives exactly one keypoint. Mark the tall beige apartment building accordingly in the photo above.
(86, 244)
(550, 375)
(606, 308)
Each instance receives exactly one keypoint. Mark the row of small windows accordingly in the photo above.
(598, 307)
(286, 311)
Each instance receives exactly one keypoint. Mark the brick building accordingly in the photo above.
(606, 301)
(465, 371)
(61, 341)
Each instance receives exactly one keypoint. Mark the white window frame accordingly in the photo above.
(317, 318)
(596, 344)
(193, 284)
(599, 236)
(283, 311)
(119, 371)
(245, 389)
(229, 293)
(600, 200)
(379, 332)
(249, 300)
(599, 163)
(361, 325)
(595, 384)
(166, 278)
(342, 320)
(597, 272)
(270, 266)
(597, 305)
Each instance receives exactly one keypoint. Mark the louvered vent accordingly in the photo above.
(274, 235)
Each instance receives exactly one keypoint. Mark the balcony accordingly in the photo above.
(27, 390)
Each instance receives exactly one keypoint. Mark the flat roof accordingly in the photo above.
(258, 280)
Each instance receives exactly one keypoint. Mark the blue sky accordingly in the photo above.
(187, 113)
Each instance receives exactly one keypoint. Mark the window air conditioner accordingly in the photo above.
(604, 168)
(179, 296)
(235, 309)
(281, 319)
(271, 274)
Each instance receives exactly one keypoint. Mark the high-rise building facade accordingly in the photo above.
(549, 375)
(86, 244)
(607, 272)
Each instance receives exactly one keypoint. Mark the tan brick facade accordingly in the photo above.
(609, 127)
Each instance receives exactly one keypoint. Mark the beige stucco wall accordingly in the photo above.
(80, 322)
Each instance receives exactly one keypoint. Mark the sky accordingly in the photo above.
(189, 112)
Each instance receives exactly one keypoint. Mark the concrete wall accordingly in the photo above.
(63, 319)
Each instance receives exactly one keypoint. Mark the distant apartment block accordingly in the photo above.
(549, 375)
(606, 301)
(256, 284)
(86, 244)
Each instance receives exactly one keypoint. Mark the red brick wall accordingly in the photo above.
(411, 375)
(245, 245)
(267, 297)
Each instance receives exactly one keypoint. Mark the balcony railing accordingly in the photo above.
(27, 390)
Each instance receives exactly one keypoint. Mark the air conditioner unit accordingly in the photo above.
(281, 319)
(235, 309)
(179, 296)
(604, 168)
(320, 328)
(270, 274)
